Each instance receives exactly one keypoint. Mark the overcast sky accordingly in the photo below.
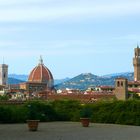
(73, 36)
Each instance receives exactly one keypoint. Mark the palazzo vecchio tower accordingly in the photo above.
(136, 64)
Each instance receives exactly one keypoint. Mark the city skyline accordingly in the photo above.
(73, 37)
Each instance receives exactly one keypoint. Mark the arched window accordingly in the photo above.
(122, 84)
(4, 75)
(118, 84)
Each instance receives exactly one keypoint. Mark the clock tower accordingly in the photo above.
(136, 64)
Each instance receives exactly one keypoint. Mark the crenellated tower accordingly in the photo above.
(136, 64)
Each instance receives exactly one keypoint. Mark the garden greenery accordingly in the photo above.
(116, 112)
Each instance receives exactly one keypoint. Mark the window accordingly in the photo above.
(118, 84)
(4, 75)
(135, 85)
(122, 84)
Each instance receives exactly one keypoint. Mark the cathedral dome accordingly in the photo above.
(41, 74)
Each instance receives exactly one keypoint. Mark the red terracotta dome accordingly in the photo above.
(41, 74)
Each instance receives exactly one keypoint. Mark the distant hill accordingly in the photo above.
(16, 78)
(59, 81)
(14, 81)
(22, 77)
(126, 74)
(83, 81)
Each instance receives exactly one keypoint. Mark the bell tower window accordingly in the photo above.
(4, 75)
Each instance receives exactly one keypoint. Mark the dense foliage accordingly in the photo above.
(117, 112)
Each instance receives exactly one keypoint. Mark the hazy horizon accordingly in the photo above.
(73, 37)
(74, 75)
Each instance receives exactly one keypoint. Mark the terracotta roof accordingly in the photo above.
(40, 74)
(106, 87)
(82, 97)
(134, 82)
(136, 90)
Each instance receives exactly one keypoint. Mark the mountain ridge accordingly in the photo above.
(81, 81)
(84, 81)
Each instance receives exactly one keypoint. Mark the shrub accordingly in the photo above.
(4, 97)
(85, 112)
(67, 110)
(119, 112)
(12, 114)
(40, 110)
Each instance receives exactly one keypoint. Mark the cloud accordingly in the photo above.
(57, 47)
(15, 2)
(128, 37)
(7, 44)
(41, 10)
(11, 29)
(54, 44)
(13, 49)
(63, 48)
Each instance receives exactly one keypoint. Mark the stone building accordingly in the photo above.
(3, 74)
(121, 89)
(136, 64)
(122, 86)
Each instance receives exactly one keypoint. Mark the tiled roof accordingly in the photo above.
(40, 74)
(134, 83)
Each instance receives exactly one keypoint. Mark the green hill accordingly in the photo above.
(83, 81)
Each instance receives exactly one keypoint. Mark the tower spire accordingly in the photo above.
(40, 60)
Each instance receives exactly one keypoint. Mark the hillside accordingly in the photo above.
(83, 81)
(124, 74)
(21, 77)
(14, 81)
(59, 81)
(17, 78)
